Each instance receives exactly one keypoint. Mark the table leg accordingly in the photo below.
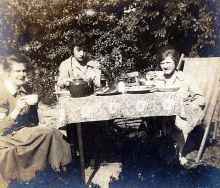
(79, 131)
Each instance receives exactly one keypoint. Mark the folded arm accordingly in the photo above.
(196, 94)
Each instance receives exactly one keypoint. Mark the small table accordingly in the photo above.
(99, 108)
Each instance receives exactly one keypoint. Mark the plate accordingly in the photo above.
(137, 89)
(106, 91)
(167, 88)
(110, 93)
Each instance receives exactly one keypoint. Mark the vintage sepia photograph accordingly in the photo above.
(109, 93)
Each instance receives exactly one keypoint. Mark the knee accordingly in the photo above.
(46, 131)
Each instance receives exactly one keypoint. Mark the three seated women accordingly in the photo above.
(26, 147)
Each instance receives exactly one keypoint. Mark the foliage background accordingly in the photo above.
(42, 28)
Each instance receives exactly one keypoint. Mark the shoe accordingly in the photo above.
(187, 164)
(183, 160)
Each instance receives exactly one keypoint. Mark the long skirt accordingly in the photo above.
(24, 152)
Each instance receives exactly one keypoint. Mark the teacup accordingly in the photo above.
(142, 81)
(31, 99)
(154, 74)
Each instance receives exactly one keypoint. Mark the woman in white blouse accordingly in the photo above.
(78, 65)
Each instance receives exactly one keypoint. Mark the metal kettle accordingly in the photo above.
(78, 88)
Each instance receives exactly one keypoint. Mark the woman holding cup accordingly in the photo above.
(28, 147)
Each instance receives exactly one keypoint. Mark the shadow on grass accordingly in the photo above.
(142, 167)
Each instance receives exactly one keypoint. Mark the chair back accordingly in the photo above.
(206, 72)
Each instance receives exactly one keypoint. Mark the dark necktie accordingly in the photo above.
(18, 93)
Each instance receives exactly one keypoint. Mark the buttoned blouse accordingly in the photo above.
(71, 68)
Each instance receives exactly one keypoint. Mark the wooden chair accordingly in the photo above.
(206, 72)
(59, 91)
(127, 127)
(127, 123)
(216, 117)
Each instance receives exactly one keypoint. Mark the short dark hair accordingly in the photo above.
(80, 40)
(165, 52)
(15, 58)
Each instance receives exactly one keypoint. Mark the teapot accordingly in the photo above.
(78, 88)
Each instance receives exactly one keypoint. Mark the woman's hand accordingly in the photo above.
(20, 105)
(67, 81)
(151, 75)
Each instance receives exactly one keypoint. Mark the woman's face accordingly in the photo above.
(18, 74)
(168, 65)
(79, 53)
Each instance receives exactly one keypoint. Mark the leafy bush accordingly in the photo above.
(42, 29)
(112, 65)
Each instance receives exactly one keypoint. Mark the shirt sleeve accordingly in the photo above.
(196, 95)
(7, 122)
(64, 73)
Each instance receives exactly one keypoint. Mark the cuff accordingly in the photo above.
(11, 120)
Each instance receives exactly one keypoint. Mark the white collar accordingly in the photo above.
(78, 65)
(10, 87)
